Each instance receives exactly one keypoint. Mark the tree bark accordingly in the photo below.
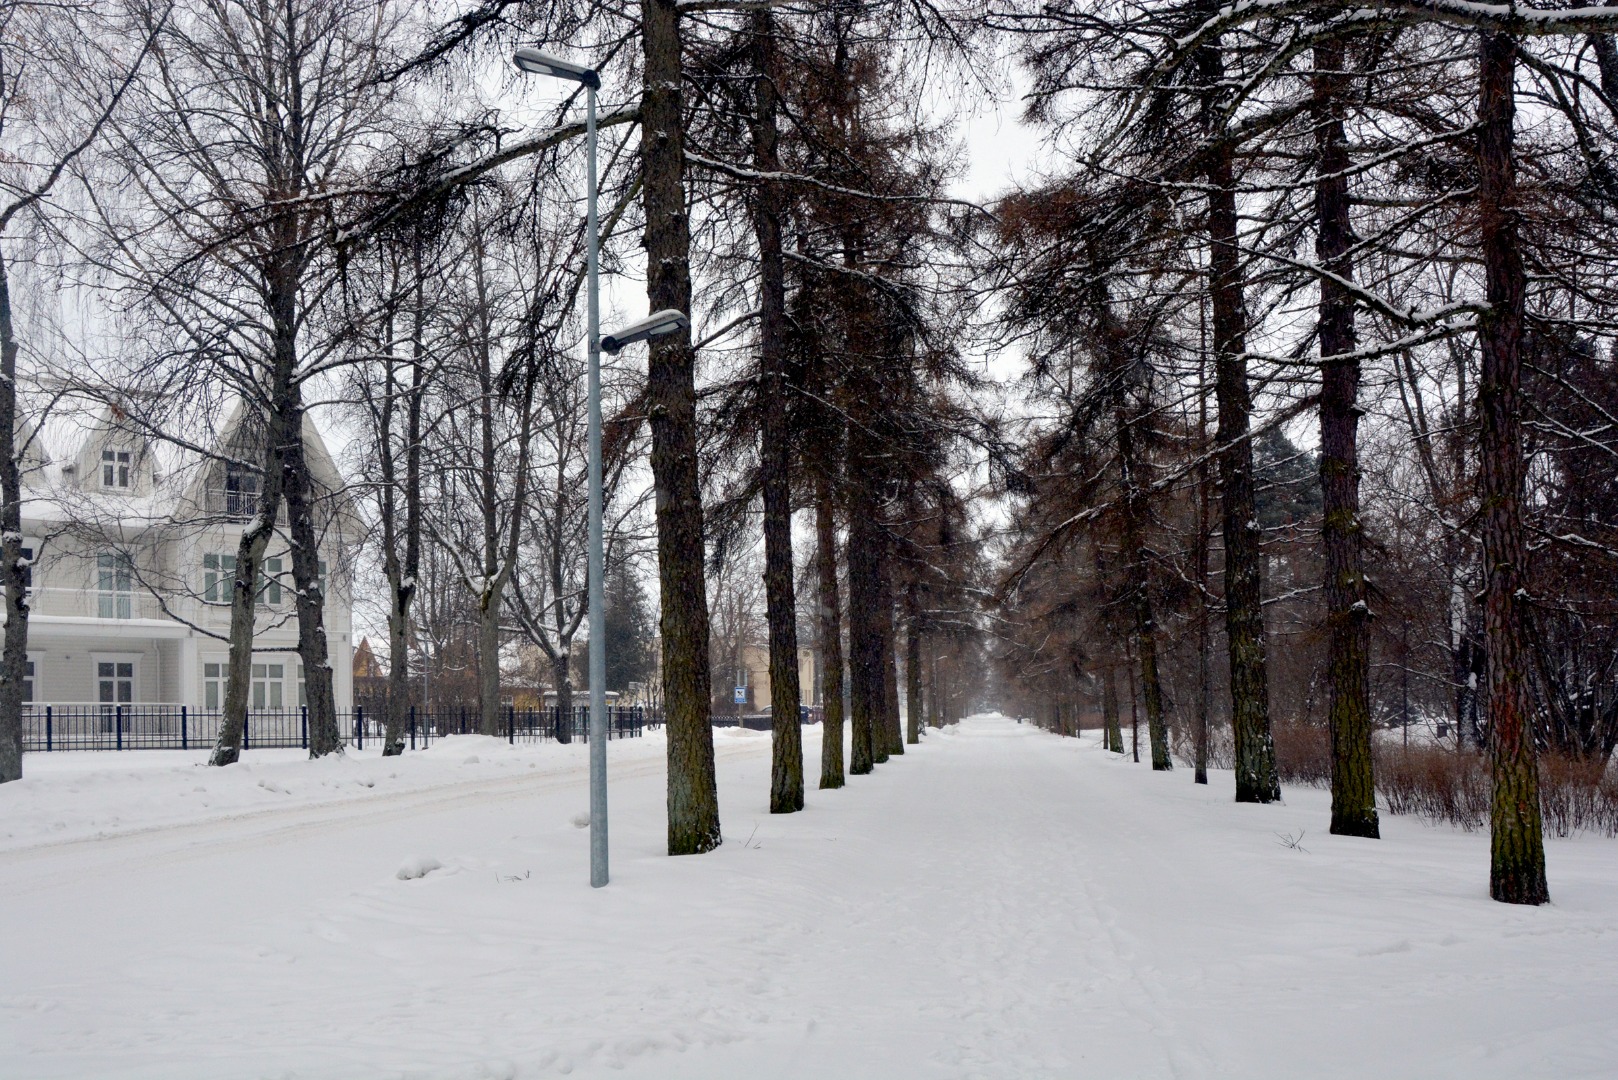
(1200, 559)
(1135, 520)
(1140, 593)
(935, 718)
(562, 678)
(892, 739)
(831, 643)
(1134, 710)
(302, 511)
(1517, 846)
(13, 574)
(1256, 776)
(775, 454)
(1114, 731)
(912, 667)
(250, 549)
(402, 574)
(693, 797)
(864, 636)
(1353, 789)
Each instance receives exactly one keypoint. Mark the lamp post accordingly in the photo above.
(535, 62)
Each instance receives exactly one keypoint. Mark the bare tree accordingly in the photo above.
(59, 90)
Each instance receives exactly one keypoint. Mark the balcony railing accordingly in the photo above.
(94, 604)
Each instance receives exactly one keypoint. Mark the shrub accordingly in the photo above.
(1438, 784)
(1443, 785)
(1302, 753)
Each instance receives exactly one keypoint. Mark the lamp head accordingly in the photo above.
(657, 324)
(535, 62)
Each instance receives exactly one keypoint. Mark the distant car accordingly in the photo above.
(805, 715)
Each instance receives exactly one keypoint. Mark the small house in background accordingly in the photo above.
(751, 691)
(370, 679)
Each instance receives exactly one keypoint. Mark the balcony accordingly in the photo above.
(92, 604)
(232, 503)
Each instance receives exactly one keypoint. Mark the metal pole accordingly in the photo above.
(598, 621)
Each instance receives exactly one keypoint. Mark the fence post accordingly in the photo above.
(303, 725)
(511, 725)
(412, 727)
(359, 727)
(48, 728)
(185, 743)
(246, 716)
(118, 724)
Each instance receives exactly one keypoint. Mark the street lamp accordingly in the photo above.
(657, 324)
(535, 62)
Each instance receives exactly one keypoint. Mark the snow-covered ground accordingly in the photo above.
(997, 903)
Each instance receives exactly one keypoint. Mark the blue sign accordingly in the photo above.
(741, 695)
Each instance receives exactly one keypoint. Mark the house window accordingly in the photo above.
(28, 680)
(267, 685)
(115, 468)
(213, 685)
(320, 581)
(218, 577)
(241, 490)
(303, 689)
(27, 566)
(115, 686)
(270, 592)
(115, 576)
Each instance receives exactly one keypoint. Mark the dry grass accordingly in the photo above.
(1445, 786)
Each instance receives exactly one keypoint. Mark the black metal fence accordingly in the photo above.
(763, 721)
(178, 727)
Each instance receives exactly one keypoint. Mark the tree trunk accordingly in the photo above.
(1135, 520)
(831, 644)
(1204, 617)
(912, 668)
(13, 574)
(1353, 790)
(1140, 594)
(1109, 709)
(1134, 712)
(250, 549)
(935, 717)
(1256, 776)
(693, 797)
(402, 578)
(781, 606)
(1517, 846)
(302, 509)
(864, 636)
(892, 739)
(562, 679)
(489, 662)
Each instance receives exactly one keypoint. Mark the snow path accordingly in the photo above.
(998, 903)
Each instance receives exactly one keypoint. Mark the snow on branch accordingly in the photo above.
(1469, 14)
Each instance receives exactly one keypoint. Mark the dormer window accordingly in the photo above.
(115, 468)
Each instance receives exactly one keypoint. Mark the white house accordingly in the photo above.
(131, 581)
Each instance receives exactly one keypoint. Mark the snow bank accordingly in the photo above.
(80, 795)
